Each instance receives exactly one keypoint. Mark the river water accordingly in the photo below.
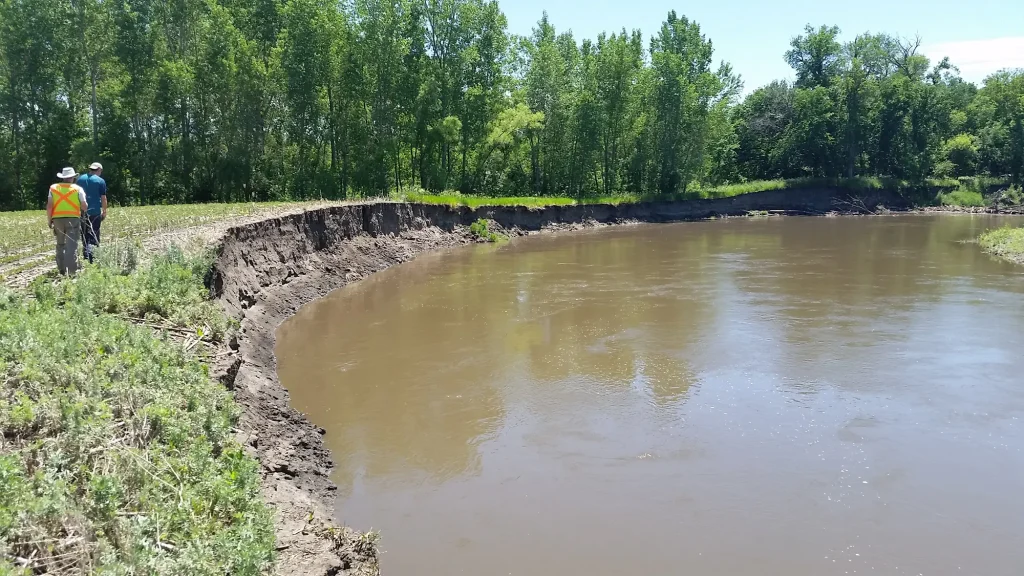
(790, 396)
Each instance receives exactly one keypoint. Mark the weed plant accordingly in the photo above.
(481, 229)
(962, 197)
(116, 453)
(169, 290)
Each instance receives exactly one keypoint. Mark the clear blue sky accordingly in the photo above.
(980, 36)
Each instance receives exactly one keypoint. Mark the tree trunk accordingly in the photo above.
(334, 132)
(15, 136)
(95, 114)
(462, 179)
(412, 163)
(604, 164)
(573, 191)
(535, 164)
(398, 172)
(15, 140)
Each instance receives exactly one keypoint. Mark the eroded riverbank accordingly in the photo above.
(267, 270)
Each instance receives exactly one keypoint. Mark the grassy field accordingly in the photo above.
(117, 453)
(1006, 243)
(25, 233)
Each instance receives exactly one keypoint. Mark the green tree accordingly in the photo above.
(618, 64)
(999, 109)
(763, 118)
(547, 83)
(382, 52)
(305, 47)
(222, 100)
(685, 89)
(816, 56)
(815, 136)
(41, 100)
(958, 156)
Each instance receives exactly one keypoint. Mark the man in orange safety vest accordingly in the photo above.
(65, 205)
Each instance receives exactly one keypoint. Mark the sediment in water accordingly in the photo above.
(265, 271)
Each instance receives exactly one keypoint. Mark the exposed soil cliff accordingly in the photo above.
(266, 270)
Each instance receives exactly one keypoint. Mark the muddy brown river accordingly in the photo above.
(784, 396)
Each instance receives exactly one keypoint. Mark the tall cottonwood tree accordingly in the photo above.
(247, 100)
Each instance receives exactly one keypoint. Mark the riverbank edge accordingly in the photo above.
(1004, 243)
(264, 272)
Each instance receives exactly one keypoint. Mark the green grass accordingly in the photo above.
(456, 199)
(1006, 243)
(26, 233)
(116, 452)
(857, 184)
(730, 190)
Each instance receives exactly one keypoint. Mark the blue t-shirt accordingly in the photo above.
(95, 187)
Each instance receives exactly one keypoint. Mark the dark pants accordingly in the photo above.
(91, 235)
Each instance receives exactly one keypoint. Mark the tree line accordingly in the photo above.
(244, 100)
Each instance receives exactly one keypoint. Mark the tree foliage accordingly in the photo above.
(875, 106)
(239, 100)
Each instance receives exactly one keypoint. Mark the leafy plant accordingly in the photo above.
(962, 197)
(481, 230)
(169, 290)
(116, 452)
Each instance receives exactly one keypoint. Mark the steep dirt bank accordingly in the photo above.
(266, 270)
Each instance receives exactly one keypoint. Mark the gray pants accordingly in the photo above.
(67, 231)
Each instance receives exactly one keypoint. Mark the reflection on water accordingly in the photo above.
(782, 396)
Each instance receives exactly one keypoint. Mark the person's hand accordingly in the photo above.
(103, 216)
(51, 223)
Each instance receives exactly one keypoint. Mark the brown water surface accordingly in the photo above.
(790, 396)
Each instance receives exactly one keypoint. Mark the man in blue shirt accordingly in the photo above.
(96, 196)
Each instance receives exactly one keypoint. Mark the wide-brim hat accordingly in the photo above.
(67, 173)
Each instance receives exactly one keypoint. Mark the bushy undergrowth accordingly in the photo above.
(972, 191)
(116, 454)
(1007, 243)
(1012, 197)
(481, 229)
(962, 197)
(170, 289)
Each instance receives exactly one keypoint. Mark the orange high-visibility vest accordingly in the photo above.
(66, 203)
